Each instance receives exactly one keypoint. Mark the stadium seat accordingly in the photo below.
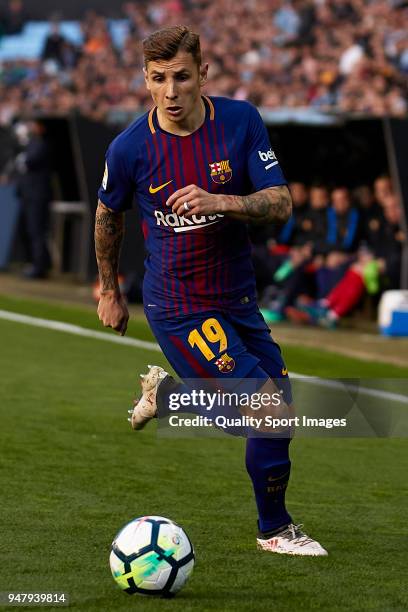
(119, 30)
(72, 32)
(28, 45)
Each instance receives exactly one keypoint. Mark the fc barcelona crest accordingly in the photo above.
(221, 172)
(225, 363)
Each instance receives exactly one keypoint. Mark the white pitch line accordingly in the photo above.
(77, 330)
(334, 384)
(152, 346)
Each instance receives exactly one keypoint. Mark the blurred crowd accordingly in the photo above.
(338, 246)
(330, 55)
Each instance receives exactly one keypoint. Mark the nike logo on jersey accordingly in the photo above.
(156, 189)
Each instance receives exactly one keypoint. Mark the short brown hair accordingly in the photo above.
(164, 44)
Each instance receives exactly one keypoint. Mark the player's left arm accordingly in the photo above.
(270, 205)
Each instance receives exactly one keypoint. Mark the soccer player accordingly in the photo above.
(200, 169)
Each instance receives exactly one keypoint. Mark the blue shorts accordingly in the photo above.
(222, 345)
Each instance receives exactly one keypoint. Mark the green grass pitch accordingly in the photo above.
(72, 473)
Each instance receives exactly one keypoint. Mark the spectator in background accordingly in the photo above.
(373, 270)
(34, 190)
(344, 55)
(388, 249)
(343, 222)
(307, 16)
(288, 21)
(13, 17)
(293, 247)
(310, 257)
(54, 46)
(291, 257)
(364, 197)
(382, 188)
(319, 203)
(343, 233)
(336, 236)
(371, 215)
(351, 56)
(294, 230)
(97, 37)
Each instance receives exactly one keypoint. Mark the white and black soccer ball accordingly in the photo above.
(151, 555)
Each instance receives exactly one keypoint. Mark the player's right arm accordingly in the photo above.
(115, 196)
(109, 231)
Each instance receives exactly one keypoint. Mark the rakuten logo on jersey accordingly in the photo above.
(182, 224)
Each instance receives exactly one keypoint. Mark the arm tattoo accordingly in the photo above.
(109, 230)
(272, 205)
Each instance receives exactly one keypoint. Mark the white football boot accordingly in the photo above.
(292, 541)
(145, 408)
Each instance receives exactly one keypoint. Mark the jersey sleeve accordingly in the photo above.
(263, 167)
(117, 188)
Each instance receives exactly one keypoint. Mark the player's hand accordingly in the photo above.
(199, 201)
(113, 312)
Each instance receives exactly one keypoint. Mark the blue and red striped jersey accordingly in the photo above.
(204, 262)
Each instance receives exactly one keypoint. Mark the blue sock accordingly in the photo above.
(268, 465)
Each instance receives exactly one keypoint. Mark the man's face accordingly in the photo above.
(341, 200)
(175, 85)
(299, 193)
(319, 197)
(382, 188)
(392, 209)
(364, 196)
